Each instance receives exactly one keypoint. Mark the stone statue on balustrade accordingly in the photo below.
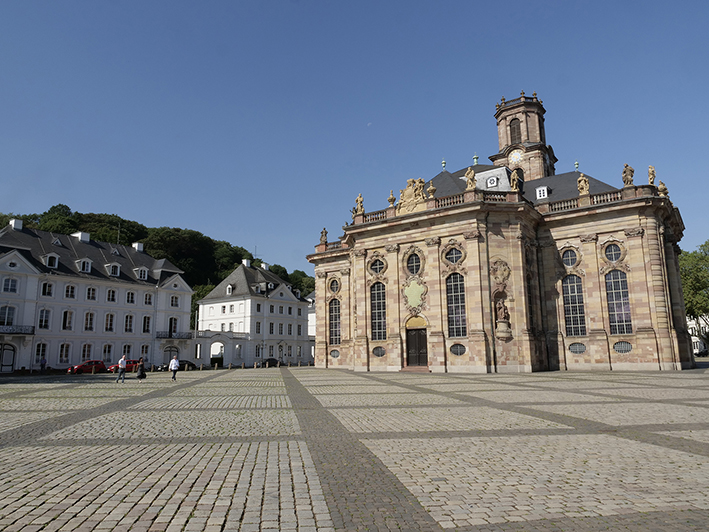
(628, 172)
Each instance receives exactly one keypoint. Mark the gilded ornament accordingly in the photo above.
(583, 186)
(470, 179)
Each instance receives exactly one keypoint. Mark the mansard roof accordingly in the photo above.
(244, 280)
(34, 245)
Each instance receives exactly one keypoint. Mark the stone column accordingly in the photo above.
(360, 310)
(436, 307)
(477, 288)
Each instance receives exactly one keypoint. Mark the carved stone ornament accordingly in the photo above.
(651, 175)
(470, 179)
(433, 241)
(592, 237)
(345, 271)
(635, 231)
(391, 248)
(321, 275)
(662, 190)
(500, 271)
(628, 173)
(323, 236)
(414, 291)
(431, 190)
(582, 184)
(359, 253)
(519, 235)
(473, 235)
(412, 198)
(502, 326)
(391, 199)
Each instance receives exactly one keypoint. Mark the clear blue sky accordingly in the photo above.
(259, 122)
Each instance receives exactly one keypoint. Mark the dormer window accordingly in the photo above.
(257, 289)
(270, 286)
(141, 274)
(52, 261)
(115, 251)
(57, 242)
(228, 290)
(84, 266)
(542, 192)
(114, 270)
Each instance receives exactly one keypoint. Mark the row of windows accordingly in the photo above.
(413, 265)
(87, 352)
(286, 350)
(10, 285)
(85, 265)
(281, 309)
(7, 318)
(574, 314)
(271, 328)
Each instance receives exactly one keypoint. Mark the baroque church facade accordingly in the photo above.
(507, 267)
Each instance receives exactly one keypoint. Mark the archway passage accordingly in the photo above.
(416, 349)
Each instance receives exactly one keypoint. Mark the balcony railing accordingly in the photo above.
(16, 329)
(447, 201)
(232, 334)
(606, 197)
(175, 335)
(375, 216)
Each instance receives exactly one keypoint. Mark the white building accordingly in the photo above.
(695, 328)
(253, 318)
(69, 299)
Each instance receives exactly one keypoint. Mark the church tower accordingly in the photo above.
(520, 132)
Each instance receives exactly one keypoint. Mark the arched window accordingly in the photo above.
(7, 315)
(378, 311)
(413, 264)
(455, 296)
(334, 320)
(515, 131)
(618, 302)
(574, 314)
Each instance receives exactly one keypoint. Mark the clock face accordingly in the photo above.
(516, 156)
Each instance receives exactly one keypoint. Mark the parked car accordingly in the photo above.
(90, 366)
(130, 366)
(702, 353)
(183, 364)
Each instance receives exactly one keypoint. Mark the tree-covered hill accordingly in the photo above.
(205, 261)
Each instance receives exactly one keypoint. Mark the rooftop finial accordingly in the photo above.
(443, 164)
(521, 94)
(475, 159)
(576, 165)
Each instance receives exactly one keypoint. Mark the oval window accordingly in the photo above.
(378, 351)
(377, 266)
(622, 347)
(334, 353)
(458, 349)
(454, 255)
(569, 257)
(613, 252)
(334, 285)
(577, 348)
(413, 264)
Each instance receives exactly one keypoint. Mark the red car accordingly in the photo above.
(130, 366)
(90, 366)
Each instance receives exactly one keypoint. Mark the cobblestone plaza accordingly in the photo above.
(310, 449)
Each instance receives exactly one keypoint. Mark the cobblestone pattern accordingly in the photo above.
(309, 449)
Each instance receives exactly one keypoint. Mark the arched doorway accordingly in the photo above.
(7, 358)
(169, 352)
(416, 342)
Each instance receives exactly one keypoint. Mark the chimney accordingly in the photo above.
(264, 265)
(16, 224)
(246, 262)
(138, 246)
(83, 237)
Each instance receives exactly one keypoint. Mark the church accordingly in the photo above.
(507, 267)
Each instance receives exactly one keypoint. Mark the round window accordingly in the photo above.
(413, 264)
(334, 285)
(622, 347)
(334, 353)
(454, 255)
(577, 348)
(613, 252)
(378, 351)
(377, 266)
(458, 349)
(569, 257)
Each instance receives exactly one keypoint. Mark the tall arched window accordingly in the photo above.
(334, 314)
(618, 302)
(455, 296)
(378, 308)
(574, 314)
(515, 131)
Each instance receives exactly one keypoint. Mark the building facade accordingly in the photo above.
(507, 267)
(68, 299)
(253, 318)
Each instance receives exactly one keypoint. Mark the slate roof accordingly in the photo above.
(243, 281)
(34, 245)
(560, 186)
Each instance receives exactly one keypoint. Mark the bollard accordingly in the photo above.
(201, 367)
(243, 365)
(229, 365)
(289, 363)
(299, 363)
(216, 365)
(93, 370)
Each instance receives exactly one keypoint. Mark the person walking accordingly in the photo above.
(141, 370)
(174, 366)
(122, 369)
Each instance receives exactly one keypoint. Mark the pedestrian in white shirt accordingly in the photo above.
(122, 369)
(174, 366)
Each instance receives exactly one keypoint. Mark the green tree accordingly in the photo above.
(59, 219)
(694, 271)
(280, 271)
(302, 281)
(200, 291)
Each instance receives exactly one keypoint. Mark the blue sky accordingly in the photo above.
(259, 122)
